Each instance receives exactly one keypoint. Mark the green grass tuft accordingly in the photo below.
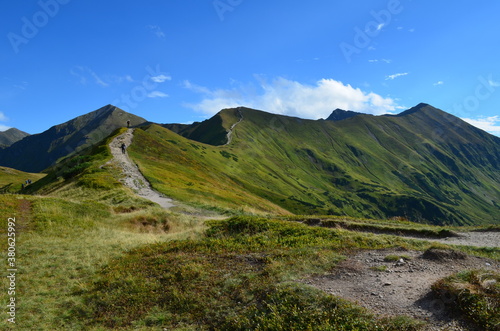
(475, 294)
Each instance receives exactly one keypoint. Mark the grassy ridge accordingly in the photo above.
(11, 179)
(189, 171)
(359, 168)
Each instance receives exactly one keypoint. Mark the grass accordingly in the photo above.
(90, 265)
(61, 245)
(11, 179)
(395, 226)
(474, 294)
(239, 277)
(381, 268)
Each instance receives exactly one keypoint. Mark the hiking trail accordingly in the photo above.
(230, 131)
(133, 177)
(404, 287)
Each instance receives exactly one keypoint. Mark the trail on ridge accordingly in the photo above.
(230, 131)
(133, 176)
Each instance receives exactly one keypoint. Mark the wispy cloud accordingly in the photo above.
(488, 124)
(3, 118)
(157, 94)
(157, 31)
(388, 61)
(493, 83)
(392, 77)
(160, 78)
(378, 28)
(400, 28)
(84, 73)
(283, 96)
(438, 83)
(85, 76)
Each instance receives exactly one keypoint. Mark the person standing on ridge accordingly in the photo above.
(124, 147)
(128, 123)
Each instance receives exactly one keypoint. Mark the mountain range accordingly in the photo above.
(423, 164)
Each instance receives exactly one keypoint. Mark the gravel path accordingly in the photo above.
(133, 177)
(478, 239)
(404, 288)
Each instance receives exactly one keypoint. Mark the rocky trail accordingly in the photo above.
(133, 177)
(401, 287)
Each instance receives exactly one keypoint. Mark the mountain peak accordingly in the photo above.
(418, 108)
(340, 114)
(37, 152)
(11, 136)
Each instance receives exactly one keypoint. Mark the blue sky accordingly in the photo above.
(184, 60)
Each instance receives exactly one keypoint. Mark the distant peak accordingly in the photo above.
(420, 107)
(340, 114)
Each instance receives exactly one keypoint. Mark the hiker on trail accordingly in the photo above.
(128, 123)
(123, 148)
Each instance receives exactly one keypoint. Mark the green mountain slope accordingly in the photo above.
(213, 131)
(423, 164)
(37, 152)
(11, 136)
(11, 179)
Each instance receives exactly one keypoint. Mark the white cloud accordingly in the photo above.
(287, 97)
(391, 77)
(438, 83)
(157, 31)
(493, 83)
(160, 78)
(489, 124)
(380, 26)
(157, 94)
(4, 128)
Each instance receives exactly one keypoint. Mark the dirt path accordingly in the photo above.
(133, 177)
(230, 131)
(478, 239)
(404, 288)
